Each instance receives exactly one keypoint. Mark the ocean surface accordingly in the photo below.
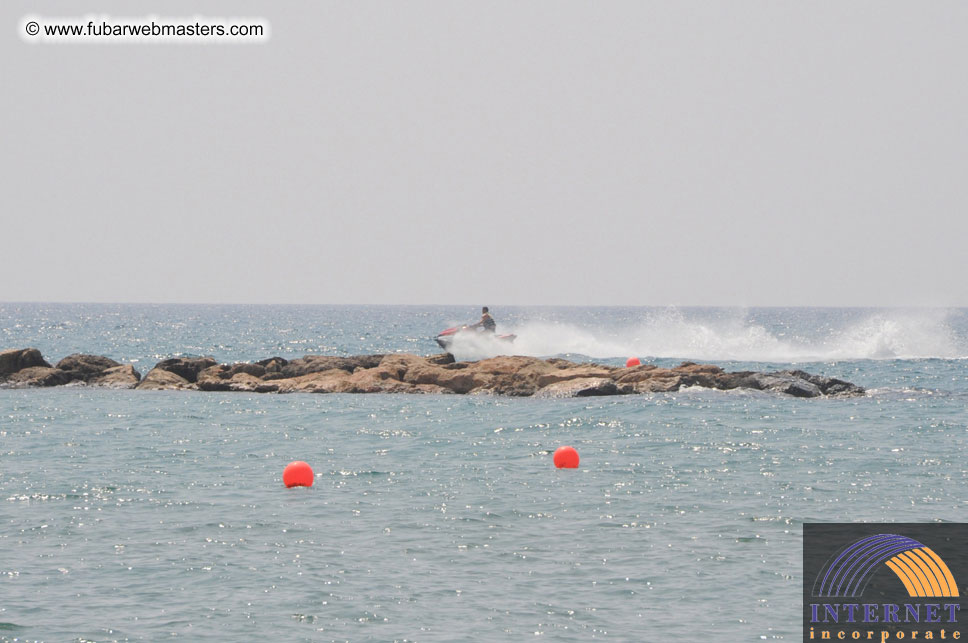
(147, 516)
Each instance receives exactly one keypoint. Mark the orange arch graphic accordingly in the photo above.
(923, 574)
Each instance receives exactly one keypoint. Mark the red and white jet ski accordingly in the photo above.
(446, 337)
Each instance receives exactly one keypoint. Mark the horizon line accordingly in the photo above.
(475, 305)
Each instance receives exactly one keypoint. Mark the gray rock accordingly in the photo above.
(122, 376)
(228, 371)
(829, 385)
(583, 387)
(18, 359)
(86, 367)
(34, 376)
(186, 367)
(273, 364)
(839, 388)
(319, 363)
(158, 379)
(787, 383)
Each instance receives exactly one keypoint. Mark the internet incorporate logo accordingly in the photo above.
(883, 582)
(922, 571)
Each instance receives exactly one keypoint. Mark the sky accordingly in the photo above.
(532, 153)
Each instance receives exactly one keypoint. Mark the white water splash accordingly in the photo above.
(669, 334)
(474, 346)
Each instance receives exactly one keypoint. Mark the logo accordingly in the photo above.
(922, 571)
(883, 582)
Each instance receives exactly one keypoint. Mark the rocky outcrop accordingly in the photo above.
(36, 376)
(15, 360)
(177, 373)
(273, 367)
(187, 368)
(24, 368)
(795, 383)
(99, 371)
(404, 373)
(583, 387)
(121, 376)
(235, 377)
(319, 363)
(85, 367)
(159, 379)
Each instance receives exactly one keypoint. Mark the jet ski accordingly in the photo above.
(446, 337)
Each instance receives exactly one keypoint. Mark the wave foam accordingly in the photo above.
(669, 334)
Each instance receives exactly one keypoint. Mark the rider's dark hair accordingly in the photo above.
(484, 310)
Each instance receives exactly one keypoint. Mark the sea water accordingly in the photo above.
(136, 515)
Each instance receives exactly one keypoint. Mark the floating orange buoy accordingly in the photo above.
(632, 361)
(566, 458)
(298, 474)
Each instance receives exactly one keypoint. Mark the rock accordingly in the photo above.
(787, 383)
(796, 383)
(741, 379)
(34, 376)
(396, 365)
(578, 372)
(839, 388)
(658, 385)
(159, 379)
(255, 370)
(89, 369)
(375, 380)
(210, 380)
(637, 373)
(239, 382)
(453, 377)
(330, 381)
(18, 359)
(516, 376)
(221, 377)
(86, 367)
(186, 367)
(121, 376)
(405, 373)
(273, 364)
(583, 387)
(692, 367)
(829, 385)
(426, 388)
(319, 363)
(705, 375)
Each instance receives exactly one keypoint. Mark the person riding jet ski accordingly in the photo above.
(487, 323)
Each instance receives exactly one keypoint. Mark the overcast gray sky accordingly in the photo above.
(640, 153)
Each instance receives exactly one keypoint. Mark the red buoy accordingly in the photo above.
(298, 474)
(566, 458)
(632, 361)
